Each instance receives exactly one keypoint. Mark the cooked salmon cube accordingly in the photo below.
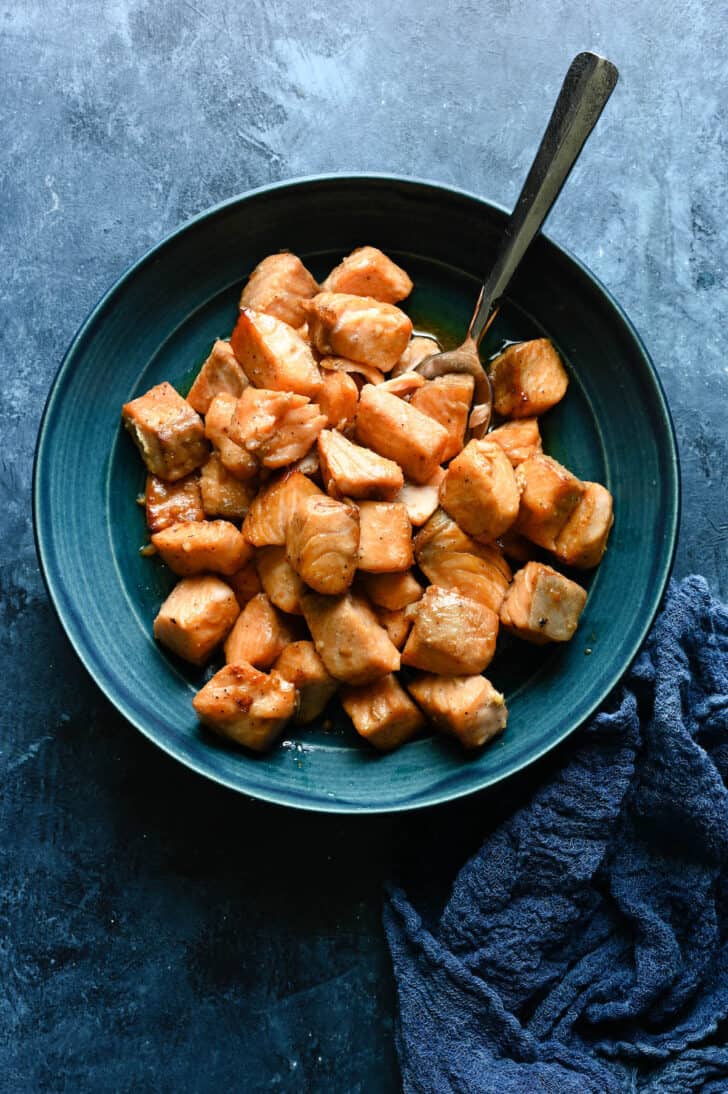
(273, 508)
(480, 492)
(167, 431)
(367, 271)
(382, 713)
(399, 431)
(245, 583)
(403, 385)
(301, 665)
(466, 707)
(349, 470)
(220, 374)
(348, 638)
(385, 543)
(280, 582)
(447, 399)
(273, 355)
(542, 605)
(358, 369)
(397, 624)
(278, 427)
(583, 539)
(417, 349)
(322, 543)
(278, 286)
(358, 328)
(196, 617)
(246, 706)
(215, 546)
(234, 459)
(519, 440)
(451, 559)
(528, 379)
(224, 495)
(421, 501)
(391, 591)
(338, 398)
(260, 634)
(451, 635)
(549, 495)
(171, 502)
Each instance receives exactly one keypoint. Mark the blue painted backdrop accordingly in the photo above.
(157, 933)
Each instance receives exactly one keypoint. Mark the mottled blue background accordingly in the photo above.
(156, 932)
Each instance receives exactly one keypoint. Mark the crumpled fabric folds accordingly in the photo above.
(585, 946)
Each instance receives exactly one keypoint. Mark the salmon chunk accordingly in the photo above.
(399, 431)
(357, 369)
(273, 355)
(245, 583)
(397, 624)
(220, 374)
(278, 286)
(382, 713)
(421, 501)
(358, 328)
(209, 545)
(260, 634)
(278, 427)
(542, 605)
(528, 379)
(416, 350)
(451, 635)
(583, 539)
(171, 502)
(466, 707)
(447, 399)
(391, 591)
(403, 385)
(272, 510)
(224, 495)
(338, 398)
(349, 470)
(348, 638)
(451, 559)
(167, 431)
(234, 459)
(549, 495)
(480, 492)
(385, 544)
(322, 544)
(301, 665)
(196, 617)
(368, 272)
(246, 706)
(280, 582)
(519, 440)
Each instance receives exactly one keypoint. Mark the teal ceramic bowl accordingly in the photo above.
(158, 322)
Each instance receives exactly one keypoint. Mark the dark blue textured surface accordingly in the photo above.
(589, 935)
(155, 932)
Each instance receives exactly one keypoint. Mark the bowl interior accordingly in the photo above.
(159, 322)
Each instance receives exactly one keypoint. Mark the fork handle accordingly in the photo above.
(584, 94)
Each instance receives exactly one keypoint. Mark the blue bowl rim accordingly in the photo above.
(53, 580)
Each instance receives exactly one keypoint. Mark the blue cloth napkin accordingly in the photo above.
(585, 946)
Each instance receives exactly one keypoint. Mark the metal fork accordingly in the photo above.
(587, 86)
